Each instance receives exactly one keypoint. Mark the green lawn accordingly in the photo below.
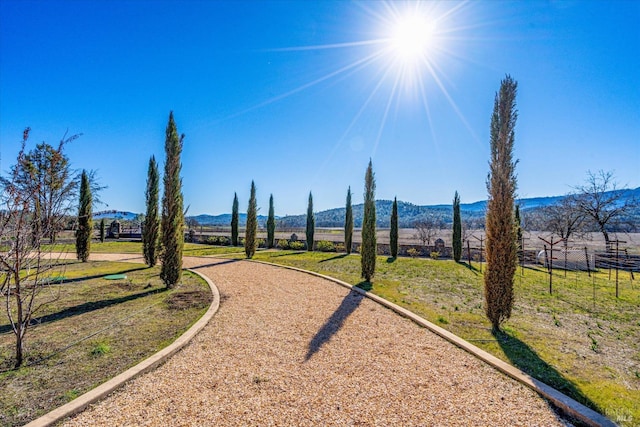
(124, 321)
(587, 348)
(127, 247)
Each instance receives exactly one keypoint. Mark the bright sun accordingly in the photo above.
(411, 37)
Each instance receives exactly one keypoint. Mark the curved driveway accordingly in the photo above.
(291, 349)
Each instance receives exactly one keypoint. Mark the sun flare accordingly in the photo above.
(411, 37)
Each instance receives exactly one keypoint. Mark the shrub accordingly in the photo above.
(325, 246)
(434, 255)
(260, 243)
(218, 240)
(283, 244)
(340, 247)
(413, 252)
(100, 348)
(296, 246)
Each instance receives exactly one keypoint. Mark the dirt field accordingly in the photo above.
(409, 236)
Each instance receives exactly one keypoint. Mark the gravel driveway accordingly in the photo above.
(291, 349)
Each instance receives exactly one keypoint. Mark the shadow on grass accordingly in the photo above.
(334, 323)
(85, 308)
(216, 264)
(289, 254)
(526, 359)
(96, 276)
(365, 286)
(467, 264)
(335, 257)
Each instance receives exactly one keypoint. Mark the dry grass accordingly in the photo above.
(131, 319)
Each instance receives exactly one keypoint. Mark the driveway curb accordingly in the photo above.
(146, 365)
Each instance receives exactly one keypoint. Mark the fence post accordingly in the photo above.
(586, 257)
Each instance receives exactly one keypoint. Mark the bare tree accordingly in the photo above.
(26, 269)
(426, 230)
(563, 218)
(601, 201)
(467, 229)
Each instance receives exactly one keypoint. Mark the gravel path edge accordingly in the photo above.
(566, 404)
(103, 390)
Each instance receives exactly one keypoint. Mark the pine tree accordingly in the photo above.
(501, 186)
(85, 220)
(393, 234)
(369, 245)
(172, 227)
(252, 224)
(102, 230)
(457, 229)
(348, 224)
(271, 224)
(234, 221)
(151, 226)
(311, 223)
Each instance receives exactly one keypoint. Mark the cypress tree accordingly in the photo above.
(393, 234)
(252, 224)
(234, 221)
(271, 224)
(500, 228)
(369, 246)
(172, 227)
(348, 224)
(85, 220)
(518, 226)
(457, 229)
(151, 224)
(102, 231)
(311, 223)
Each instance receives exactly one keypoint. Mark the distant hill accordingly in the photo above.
(119, 215)
(225, 220)
(408, 213)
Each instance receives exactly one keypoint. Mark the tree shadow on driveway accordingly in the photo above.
(334, 323)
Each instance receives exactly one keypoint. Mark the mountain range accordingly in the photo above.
(408, 213)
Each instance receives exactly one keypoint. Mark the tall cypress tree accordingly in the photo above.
(172, 208)
(85, 219)
(252, 224)
(457, 229)
(369, 245)
(151, 223)
(311, 223)
(271, 224)
(102, 230)
(518, 222)
(501, 186)
(234, 221)
(393, 233)
(348, 224)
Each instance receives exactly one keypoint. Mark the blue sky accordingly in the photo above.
(299, 95)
